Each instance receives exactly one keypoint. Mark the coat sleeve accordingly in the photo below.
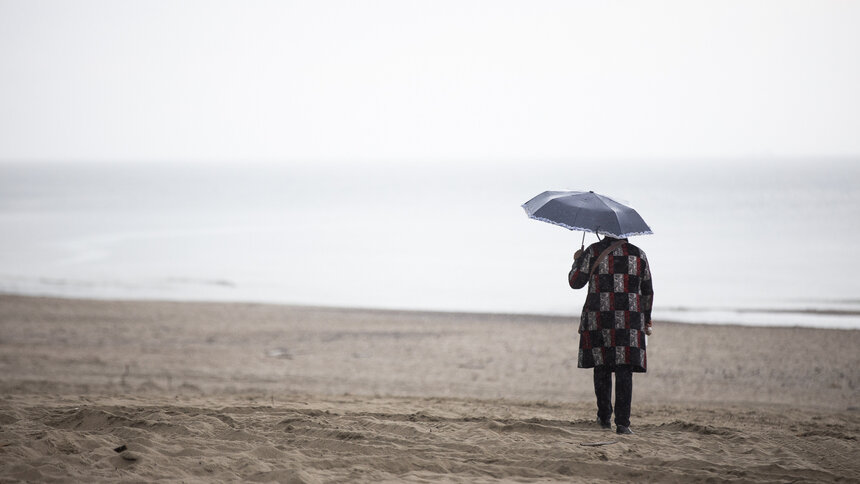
(647, 289)
(578, 275)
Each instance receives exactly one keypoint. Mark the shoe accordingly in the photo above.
(604, 424)
(620, 429)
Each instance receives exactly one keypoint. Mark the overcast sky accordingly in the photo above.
(428, 80)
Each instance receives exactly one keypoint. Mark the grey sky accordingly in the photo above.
(116, 80)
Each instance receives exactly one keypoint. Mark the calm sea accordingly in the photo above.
(761, 243)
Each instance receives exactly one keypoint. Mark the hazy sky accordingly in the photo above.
(428, 80)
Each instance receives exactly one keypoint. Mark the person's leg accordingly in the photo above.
(603, 390)
(623, 394)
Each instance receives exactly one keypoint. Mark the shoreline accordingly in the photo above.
(693, 312)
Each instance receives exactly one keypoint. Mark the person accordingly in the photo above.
(615, 318)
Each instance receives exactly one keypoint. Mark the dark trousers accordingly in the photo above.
(623, 393)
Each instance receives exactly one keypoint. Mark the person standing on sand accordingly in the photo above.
(615, 318)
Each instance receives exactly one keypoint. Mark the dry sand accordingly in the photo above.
(265, 393)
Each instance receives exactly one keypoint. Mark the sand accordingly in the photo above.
(264, 393)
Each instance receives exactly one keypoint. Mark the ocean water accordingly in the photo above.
(746, 242)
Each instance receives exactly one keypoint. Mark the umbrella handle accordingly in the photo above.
(583, 241)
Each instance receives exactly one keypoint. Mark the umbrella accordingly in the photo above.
(587, 211)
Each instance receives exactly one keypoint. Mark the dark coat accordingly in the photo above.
(617, 307)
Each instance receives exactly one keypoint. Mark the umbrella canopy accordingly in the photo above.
(587, 211)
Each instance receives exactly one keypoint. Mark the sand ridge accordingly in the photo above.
(319, 439)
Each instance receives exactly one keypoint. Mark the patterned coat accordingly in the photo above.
(617, 307)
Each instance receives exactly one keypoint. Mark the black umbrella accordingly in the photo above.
(587, 211)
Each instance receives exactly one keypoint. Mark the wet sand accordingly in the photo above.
(267, 393)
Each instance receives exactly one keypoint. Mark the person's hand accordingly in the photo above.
(648, 329)
(577, 254)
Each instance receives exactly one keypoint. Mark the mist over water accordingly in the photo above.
(728, 236)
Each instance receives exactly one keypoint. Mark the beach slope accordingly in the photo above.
(267, 393)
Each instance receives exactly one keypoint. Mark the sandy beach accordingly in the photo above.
(201, 392)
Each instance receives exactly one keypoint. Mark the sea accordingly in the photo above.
(750, 242)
